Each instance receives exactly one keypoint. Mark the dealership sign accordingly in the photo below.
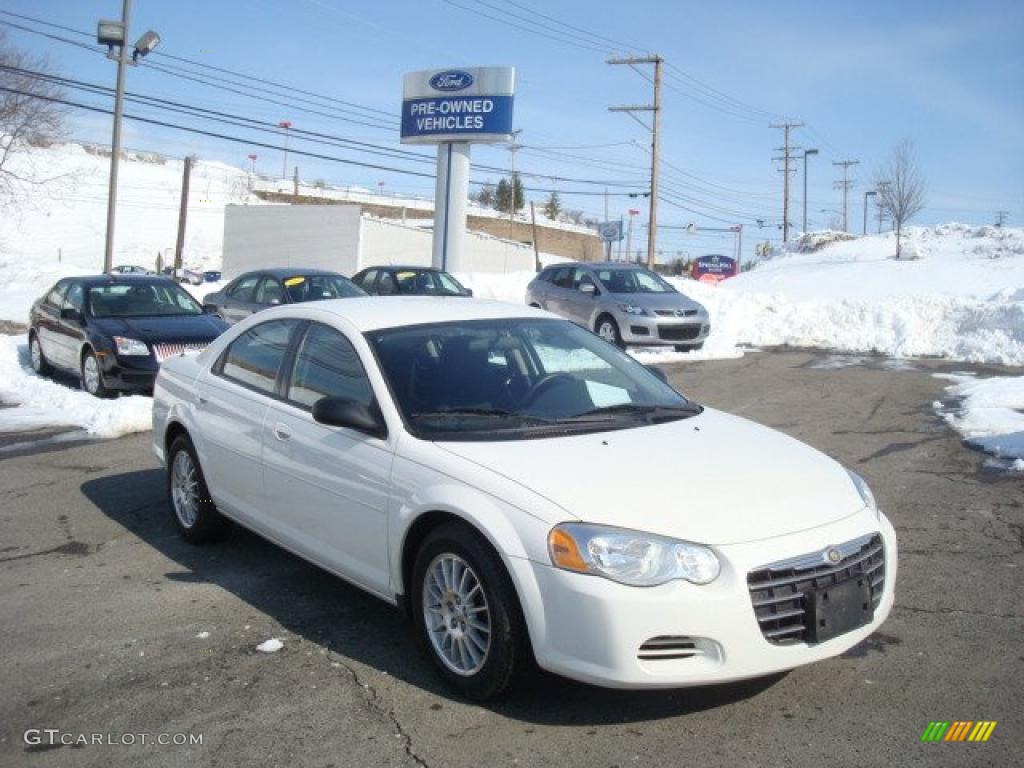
(472, 104)
(715, 266)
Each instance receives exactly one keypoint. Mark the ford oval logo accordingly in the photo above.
(452, 80)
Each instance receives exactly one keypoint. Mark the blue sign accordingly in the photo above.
(456, 115)
(452, 80)
(471, 104)
(715, 264)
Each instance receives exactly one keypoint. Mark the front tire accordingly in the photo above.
(37, 358)
(608, 330)
(466, 612)
(92, 376)
(195, 514)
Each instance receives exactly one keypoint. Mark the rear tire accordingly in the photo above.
(194, 512)
(608, 330)
(476, 634)
(36, 356)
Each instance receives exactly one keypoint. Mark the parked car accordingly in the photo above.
(253, 291)
(409, 281)
(183, 275)
(515, 483)
(622, 303)
(113, 332)
(130, 269)
(212, 276)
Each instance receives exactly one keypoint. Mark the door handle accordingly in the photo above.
(281, 432)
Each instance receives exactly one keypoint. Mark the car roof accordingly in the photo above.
(282, 272)
(370, 313)
(403, 268)
(605, 265)
(117, 278)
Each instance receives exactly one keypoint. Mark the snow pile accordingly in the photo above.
(810, 242)
(45, 403)
(273, 645)
(990, 414)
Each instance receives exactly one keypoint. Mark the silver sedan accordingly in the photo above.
(625, 304)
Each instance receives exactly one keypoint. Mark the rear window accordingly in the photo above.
(255, 357)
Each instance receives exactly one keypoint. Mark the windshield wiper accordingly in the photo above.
(611, 410)
(483, 412)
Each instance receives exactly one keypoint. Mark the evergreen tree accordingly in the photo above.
(503, 196)
(518, 197)
(553, 206)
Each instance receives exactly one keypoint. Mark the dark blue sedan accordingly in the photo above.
(113, 331)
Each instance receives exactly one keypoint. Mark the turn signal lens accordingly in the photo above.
(564, 552)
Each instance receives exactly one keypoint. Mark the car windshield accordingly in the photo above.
(319, 287)
(517, 379)
(427, 282)
(633, 281)
(142, 299)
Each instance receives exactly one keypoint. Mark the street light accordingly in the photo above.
(807, 153)
(869, 193)
(113, 34)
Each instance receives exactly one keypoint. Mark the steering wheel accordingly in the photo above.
(542, 385)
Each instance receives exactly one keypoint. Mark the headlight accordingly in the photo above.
(126, 346)
(632, 309)
(630, 557)
(865, 492)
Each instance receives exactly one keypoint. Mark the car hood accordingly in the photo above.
(177, 328)
(713, 478)
(656, 300)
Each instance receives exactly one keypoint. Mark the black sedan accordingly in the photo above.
(113, 331)
(252, 291)
(409, 281)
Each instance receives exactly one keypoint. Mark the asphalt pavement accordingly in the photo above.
(112, 627)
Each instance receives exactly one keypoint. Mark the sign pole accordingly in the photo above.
(450, 205)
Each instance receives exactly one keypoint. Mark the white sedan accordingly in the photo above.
(519, 486)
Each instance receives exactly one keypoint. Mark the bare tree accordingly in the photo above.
(901, 188)
(28, 118)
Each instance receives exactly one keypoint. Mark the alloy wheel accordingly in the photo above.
(456, 614)
(184, 489)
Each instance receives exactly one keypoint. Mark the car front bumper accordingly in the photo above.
(128, 373)
(644, 330)
(591, 629)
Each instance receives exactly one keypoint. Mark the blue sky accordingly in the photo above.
(949, 76)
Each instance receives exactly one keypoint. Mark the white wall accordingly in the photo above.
(339, 238)
(387, 242)
(262, 236)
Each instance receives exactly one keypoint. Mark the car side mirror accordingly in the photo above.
(345, 412)
(72, 314)
(209, 309)
(589, 288)
(658, 372)
(469, 291)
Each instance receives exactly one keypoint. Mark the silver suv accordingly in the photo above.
(622, 303)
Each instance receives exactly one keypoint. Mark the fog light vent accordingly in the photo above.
(669, 647)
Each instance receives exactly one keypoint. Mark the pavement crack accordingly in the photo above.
(375, 705)
(75, 548)
(949, 611)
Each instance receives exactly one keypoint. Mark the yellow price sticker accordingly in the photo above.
(294, 281)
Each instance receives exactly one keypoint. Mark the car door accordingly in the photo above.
(69, 334)
(47, 321)
(366, 280)
(327, 487)
(269, 294)
(559, 294)
(240, 302)
(232, 400)
(580, 304)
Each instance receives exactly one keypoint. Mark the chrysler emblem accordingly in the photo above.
(832, 555)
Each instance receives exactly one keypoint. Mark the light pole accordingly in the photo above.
(113, 34)
(286, 124)
(869, 193)
(807, 153)
(252, 159)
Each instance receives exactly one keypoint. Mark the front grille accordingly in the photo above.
(675, 312)
(778, 590)
(163, 351)
(678, 332)
(668, 647)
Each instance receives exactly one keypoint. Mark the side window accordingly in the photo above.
(55, 298)
(562, 277)
(270, 292)
(386, 286)
(327, 365)
(366, 281)
(245, 288)
(75, 297)
(254, 358)
(581, 277)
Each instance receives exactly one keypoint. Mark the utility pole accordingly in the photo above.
(883, 187)
(844, 185)
(655, 129)
(867, 194)
(787, 159)
(512, 148)
(182, 214)
(536, 246)
(115, 142)
(1001, 217)
(807, 153)
(286, 124)
(295, 182)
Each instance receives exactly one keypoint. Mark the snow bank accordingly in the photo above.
(45, 403)
(989, 414)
